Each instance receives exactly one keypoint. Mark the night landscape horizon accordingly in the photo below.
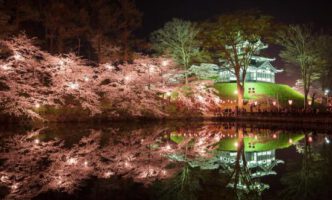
(178, 99)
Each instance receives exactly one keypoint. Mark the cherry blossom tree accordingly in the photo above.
(31, 78)
(33, 83)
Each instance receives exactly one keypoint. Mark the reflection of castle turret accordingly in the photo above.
(258, 164)
(253, 159)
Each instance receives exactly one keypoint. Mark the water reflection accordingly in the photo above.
(170, 162)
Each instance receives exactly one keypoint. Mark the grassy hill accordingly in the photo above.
(262, 90)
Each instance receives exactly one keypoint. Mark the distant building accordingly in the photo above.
(260, 69)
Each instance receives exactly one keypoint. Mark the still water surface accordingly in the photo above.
(165, 161)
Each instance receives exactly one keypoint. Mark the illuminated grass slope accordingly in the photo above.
(281, 142)
(262, 90)
(228, 144)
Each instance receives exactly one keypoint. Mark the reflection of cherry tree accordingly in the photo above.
(32, 166)
(308, 179)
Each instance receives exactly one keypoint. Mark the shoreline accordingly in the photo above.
(300, 118)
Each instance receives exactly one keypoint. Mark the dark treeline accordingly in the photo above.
(99, 30)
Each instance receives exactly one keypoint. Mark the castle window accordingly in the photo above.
(251, 91)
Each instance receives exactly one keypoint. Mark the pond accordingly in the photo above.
(172, 160)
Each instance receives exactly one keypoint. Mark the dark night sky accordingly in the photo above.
(157, 12)
(316, 12)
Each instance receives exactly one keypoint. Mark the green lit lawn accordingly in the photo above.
(262, 90)
(279, 143)
(228, 144)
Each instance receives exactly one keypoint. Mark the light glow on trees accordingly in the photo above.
(290, 102)
(109, 66)
(326, 92)
(327, 140)
(127, 78)
(18, 56)
(164, 63)
(236, 144)
(72, 161)
(36, 141)
(168, 147)
(73, 85)
(86, 78)
(109, 174)
(5, 67)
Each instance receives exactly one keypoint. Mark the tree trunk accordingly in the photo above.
(240, 94)
(313, 99)
(125, 47)
(306, 92)
(78, 46)
(60, 43)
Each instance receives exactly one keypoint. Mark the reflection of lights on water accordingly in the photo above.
(327, 140)
(290, 141)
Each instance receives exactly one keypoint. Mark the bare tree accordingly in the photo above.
(300, 48)
(178, 39)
